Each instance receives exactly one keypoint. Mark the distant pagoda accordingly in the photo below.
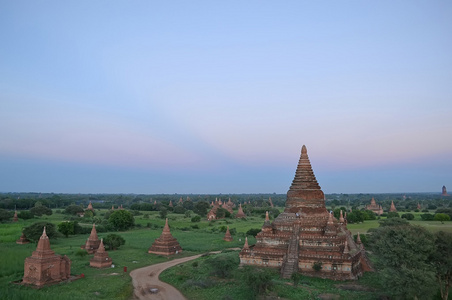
(373, 206)
(444, 191)
(166, 244)
(101, 258)
(305, 234)
(228, 236)
(240, 213)
(392, 208)
(15, 218)
(23, 239)
(92, 243)
(44, 267)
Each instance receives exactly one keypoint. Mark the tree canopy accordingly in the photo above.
(121, 220)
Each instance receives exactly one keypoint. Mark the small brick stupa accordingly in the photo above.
(228, 236)
(240, 213)
(392, 208)
(306, 234)
(44, 267)
(15, 218)
(92, 243)
(22, 240)
(100, 259)
(166, 244)
(90, 207)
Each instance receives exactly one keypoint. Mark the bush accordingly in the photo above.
(253, 231)
(408, 216)
(34, 231)
(196, 219)
(441, 217)
(427, 217)
(317, 266)
(223, 265)
(25, 215)
(113, 241)
(81, 253)
(258, 279)
(393, 214)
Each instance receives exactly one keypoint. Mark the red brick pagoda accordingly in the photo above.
(15, 218)
(228, 236)
(22, 240)
(212, 214)
(240, 213)
(44, 267)
(166, 244)
(92, 243)
(392, 208)
(306, 234)
(100, 259)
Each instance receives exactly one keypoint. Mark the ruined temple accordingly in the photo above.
(392, 208)
(44, 267)
(166, 244)
(373, 206)
(101, 258)
(23, 239)
(92, 243)
(306, 235)
(227, 236)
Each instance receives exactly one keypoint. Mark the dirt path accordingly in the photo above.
(147, 278)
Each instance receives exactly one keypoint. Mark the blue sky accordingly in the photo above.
(210, 97)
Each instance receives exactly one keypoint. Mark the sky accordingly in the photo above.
(219, 96)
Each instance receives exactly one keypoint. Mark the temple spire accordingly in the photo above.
(166, 227)
(304, 176)
(341, 218)
(246, 244)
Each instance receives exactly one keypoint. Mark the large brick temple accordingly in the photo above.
(44, 267)
(307, 235)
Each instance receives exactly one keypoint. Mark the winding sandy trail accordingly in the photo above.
(144, 279)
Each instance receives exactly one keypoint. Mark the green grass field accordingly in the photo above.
(113, 283)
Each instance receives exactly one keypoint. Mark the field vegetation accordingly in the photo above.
(199, 279)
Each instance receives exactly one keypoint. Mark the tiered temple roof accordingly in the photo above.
(305, 233)
(373, 206)
(44, 267)
(92, 243)
(101, 258)
(166, 244)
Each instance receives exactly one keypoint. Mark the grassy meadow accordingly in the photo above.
(195, 238)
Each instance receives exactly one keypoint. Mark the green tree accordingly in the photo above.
(442, 261)
(73, 209)
(196, 219)
(403, 253)
(253, 231)
(201, 208)
(113, 241)
(5, 215)
(121, 220)
(441, 217)
(66, 228)
(40, 210)
(163, 212)
(408, 216)
(34, 231)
